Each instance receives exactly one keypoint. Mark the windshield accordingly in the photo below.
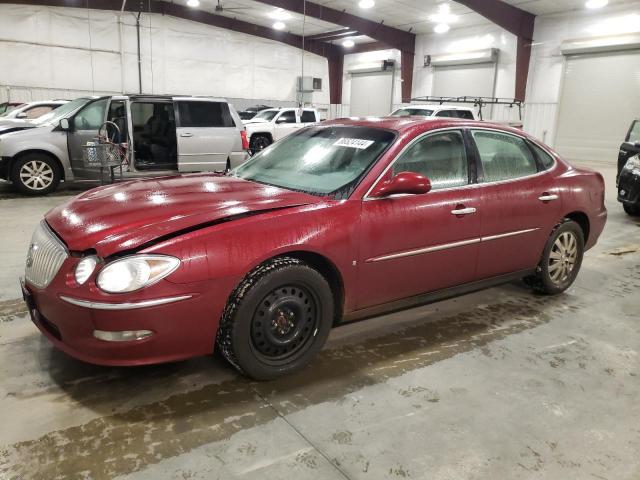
(5, 108)
(61, 112)
(406, 112)
(318, 160)
(266, 114)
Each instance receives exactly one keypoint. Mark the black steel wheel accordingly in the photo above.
(277, 319)
(561, 259)
(259, 142)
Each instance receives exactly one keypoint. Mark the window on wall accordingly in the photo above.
(440, 157)
(503, 156)
(204, 114)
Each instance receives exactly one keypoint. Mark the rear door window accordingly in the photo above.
(503, 156)
(204, 114)
(308, 116)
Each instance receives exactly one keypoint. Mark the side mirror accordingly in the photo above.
(21, 115)
(65, 125)
(403, 183)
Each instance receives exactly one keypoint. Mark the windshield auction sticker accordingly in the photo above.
(358, 143)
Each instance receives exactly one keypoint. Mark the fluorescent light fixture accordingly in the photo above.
(279, 26)
(444, 15)
(366, 3)
(348, 43)
(441, 28)
(193, 3)
(279, 14)
(593, 4)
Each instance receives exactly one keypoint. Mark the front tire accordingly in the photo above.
(35, 174)
(259, 142)
(277, 319)
(633, 210)
(561, 259)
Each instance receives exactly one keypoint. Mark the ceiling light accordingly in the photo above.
(441, 28)
(279, 26)
(193, 3)
(279, 14)
(444, 15)
(366, 3)
(596, 3)
(348, 43)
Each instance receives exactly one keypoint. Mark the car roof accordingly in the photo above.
(434, 106)
(406, 124)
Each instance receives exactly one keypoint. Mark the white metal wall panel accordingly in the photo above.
(464, 80)
(600, 96)
(371, 94)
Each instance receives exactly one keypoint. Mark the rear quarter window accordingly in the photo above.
(205, 114)
(544, 158)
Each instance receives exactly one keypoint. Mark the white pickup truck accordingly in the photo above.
(273, 124)
(448, 111)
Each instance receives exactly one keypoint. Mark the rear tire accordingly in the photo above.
(561, 259)
(276, 320)
(633, 210)
(35, 174)
(259, 142)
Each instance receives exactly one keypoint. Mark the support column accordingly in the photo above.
(406, 74)
(523, 58)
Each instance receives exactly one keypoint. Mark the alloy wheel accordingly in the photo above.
(563, 257)
(36, 175)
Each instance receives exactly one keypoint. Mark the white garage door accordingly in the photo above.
(371, 94)
(464, 80)
(600, 97)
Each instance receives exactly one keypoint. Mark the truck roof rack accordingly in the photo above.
(476, 101)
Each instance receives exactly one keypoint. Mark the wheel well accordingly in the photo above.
(581, 219)
(262, 134)
(329, 271)
(42, 152)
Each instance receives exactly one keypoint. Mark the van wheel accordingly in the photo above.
(561, 259)
(276, 320)
(259, 143)
(35, 174)
(633, 210)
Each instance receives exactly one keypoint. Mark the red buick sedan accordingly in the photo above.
(347, 219)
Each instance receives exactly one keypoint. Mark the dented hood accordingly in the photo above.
(128, 215)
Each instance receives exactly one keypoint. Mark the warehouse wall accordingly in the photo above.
(547, 63)
(65, 52)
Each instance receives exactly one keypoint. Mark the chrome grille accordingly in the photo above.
(45, 256)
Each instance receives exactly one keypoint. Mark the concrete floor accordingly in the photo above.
(497, 384)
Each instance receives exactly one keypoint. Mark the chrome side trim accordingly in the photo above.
(446, 246)
(434, 248)
(124, 305)
(508, 234)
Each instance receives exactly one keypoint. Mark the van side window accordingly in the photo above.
(92, 116)
(204, 114)
(504, 156)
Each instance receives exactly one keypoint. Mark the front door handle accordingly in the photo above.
(464, 211)
(186, 134)
(548, 197)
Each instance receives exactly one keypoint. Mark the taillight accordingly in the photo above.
(245, 140)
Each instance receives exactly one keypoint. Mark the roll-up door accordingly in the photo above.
(475, 80)
(371, 94)
(600, 97)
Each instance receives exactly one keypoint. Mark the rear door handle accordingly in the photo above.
(547, 197)
(464, 211)
(186, 134)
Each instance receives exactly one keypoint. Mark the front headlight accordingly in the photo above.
(633, 164)
(135, 272)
